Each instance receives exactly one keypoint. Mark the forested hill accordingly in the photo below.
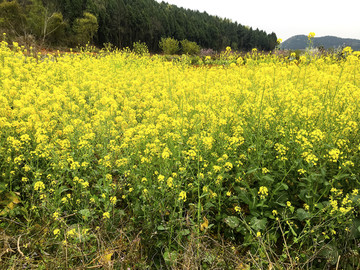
(300, 42)
(122, 22)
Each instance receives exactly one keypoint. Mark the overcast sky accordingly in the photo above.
(286, 17)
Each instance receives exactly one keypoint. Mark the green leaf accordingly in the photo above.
(262, 204)
(244, 196)
(121, 213)
(252, 170)
(302, 214)
(280, 187)
(232, 221)
(269, 179)
(331, 253)
(258, 224)
(281, 204)
(85, 213)
(3, 187)
(281, 197)
(341, 176)
(161, 228)
(320, 205)
(302, 194)
(208, 205)
(285, 186)
(355, 231)
(170, 257)
(185, 232)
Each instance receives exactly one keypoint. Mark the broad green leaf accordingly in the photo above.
(161, 228)
(302, 214)
(267, 178)
(170, 257)
(258, 224)
(285, 186)
(185, 232)
(85, 213)
(232, 221)
(252, 170)
(244, 196)
(208, 205)
(331, 253)
(302, 194)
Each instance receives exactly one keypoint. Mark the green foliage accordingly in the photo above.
(169, 45)
(85, 28)
(140, 48)
(37, 19)
(189, 47)
(45, 24)
(56, 29)
(12, 18)
(123, 22)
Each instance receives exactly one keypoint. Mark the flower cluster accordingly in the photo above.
(84, 137)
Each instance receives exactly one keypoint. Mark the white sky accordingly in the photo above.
(286, 17)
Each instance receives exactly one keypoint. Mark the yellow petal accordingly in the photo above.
(106, 258)
(204, 225)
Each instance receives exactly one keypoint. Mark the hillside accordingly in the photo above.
(122, 22)
(300, 42)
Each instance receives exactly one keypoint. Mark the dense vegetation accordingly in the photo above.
(127, 161)
(123, 22)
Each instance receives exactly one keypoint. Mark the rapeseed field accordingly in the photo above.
(119, 161)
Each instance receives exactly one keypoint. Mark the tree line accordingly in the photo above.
(123, 22)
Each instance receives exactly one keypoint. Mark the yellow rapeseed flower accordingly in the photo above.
(263, 192)
(106, 215)
(39, 186)
(311, 35)
(113, 200)
(182, 196)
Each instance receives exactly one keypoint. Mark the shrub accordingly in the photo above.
(169, 45)
(12, 18)
(85, 28)
(140, 48)
(190, 47)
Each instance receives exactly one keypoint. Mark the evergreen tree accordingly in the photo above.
(123, 22)
(12, 19)
(85, 28)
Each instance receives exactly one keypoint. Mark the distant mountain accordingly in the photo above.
(300, 42)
